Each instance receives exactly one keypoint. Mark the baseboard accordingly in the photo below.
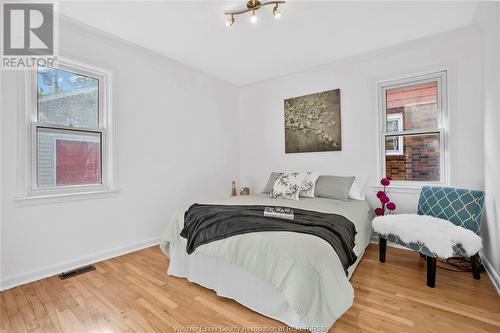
(17, 280)
(494, 277)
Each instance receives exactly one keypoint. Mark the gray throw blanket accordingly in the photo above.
(207, 223)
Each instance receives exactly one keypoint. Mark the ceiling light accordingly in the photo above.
(252, 6)
(253, 18)
(230, 21)
(276, 13)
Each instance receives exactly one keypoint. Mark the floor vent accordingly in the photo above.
(75, 272)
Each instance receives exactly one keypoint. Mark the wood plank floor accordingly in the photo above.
(131, 293)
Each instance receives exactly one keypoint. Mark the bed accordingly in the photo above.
(291, 277)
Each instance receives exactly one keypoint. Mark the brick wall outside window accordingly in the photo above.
(420, 160)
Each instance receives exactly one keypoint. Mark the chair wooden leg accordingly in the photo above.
(382, 245)
(431, 272)
(476, 266)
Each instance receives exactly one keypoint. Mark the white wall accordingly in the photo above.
(488, 20)
(177, 141)
(1, 185)
(262, 126)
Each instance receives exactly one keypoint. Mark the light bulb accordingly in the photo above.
(276, 13)
(229, 21)
(253, 18)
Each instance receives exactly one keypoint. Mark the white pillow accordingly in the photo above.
(287, 186)
(307, 189)
(357, 190)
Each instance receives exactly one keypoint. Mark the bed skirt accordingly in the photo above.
(232, 282)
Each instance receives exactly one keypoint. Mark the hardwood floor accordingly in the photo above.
(131, 293)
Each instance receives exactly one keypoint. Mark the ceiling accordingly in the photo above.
(310, 33)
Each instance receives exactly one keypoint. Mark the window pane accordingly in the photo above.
(392, 125)
(418, 159)
(68, 158)
(394, 145)
(415, 104)
(67, 98)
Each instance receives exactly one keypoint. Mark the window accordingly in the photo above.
(412, 112)
(394, 145)
(70, 117)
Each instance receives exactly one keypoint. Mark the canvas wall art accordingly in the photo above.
(312, 123)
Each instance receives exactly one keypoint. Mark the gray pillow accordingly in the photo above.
(270, 182)
(333, 187)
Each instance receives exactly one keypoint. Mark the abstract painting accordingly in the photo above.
(312, 123)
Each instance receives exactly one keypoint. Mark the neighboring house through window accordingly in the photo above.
(71, 120)
(394, 145)
(413, 127)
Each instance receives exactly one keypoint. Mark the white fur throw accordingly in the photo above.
(437, 234)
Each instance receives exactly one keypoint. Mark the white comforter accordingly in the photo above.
(303, 268)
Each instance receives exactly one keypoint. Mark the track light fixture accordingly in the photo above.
(276, 12)
(252, 6)
(253, 18)
(230, 21)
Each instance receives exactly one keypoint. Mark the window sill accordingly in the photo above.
(399, 188)
(31, 200)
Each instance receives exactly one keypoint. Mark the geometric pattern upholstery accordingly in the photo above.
(461, 207)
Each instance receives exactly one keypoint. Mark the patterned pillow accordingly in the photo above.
(287, 186)
(307, 189)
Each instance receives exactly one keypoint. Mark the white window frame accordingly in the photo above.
(441, 79)
(28, 188)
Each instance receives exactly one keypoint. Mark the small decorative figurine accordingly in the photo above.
(245, 191)
(233, 189)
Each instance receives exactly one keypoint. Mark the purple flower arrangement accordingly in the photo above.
(386, 203)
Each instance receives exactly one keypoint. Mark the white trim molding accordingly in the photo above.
(35, 275)
(493, 275)
(27, 140)
(407, 189)
(64, 197)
